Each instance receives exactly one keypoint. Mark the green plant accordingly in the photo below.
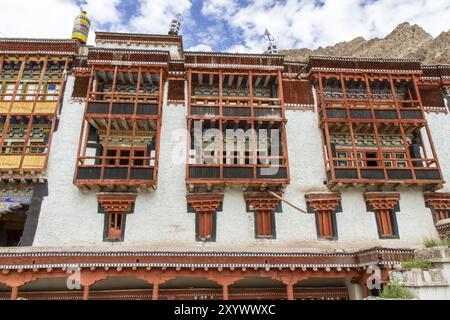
(431, 243)
(394, 290)
(446, 242)
(417, 263)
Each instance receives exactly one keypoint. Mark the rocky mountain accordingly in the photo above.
(406, 41)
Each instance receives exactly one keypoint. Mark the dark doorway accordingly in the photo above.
(11, 228)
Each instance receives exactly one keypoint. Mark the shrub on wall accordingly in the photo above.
(394, 290)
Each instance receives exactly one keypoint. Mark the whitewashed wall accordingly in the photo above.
(67, 216)
(174, 49)
(161, 221)
(440, 131)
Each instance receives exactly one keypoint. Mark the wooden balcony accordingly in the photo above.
(26, 107)
(245, 175)
(364, 112)
(443, 228)
(94, 171)
(122, 108)
(30, 166)
(423, 172)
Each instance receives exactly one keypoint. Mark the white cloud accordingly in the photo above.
(155, 15)
(43, 18)
(294, 23)
(306, 23)
(201, 47)
(219, 8)
(104, 11)
(53, 18)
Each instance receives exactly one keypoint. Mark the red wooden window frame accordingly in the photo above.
(205, 225)
(393, 159)
(442, 214)
(385, 222)
(264, 227)
(325, 224)
(128, 158)
(115, 225)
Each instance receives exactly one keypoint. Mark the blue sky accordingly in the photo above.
(230, 25)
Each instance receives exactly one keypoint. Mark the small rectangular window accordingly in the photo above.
(31, 91)
(124, 157)
(205, 227)
(325, 224)
(16, 147)
(10, 87)
(442, 214)
(115, 226)
(138, 154)
(371, 163)
(111, 155)
(264, 227)
(401, 164)
(342, 163)
(385, 221)
(52, 91)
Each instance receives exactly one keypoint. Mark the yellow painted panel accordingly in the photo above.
(34, 162)
(22, 107)
(45, 107)
(10, 162)
(4, 106)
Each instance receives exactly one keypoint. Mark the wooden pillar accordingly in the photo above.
(14, 293)
(365, 289)
(290, 291)
(225, 293)
(86, 293)
(155, 292)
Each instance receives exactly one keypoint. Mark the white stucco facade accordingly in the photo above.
(161, 221)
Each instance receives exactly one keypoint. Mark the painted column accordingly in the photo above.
(14, 293)
(86, 293)
(355, 290)
(225, 293)
(290, 291)
(155, 292)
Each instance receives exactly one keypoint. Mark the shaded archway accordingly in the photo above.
(190, 288)
(5, 292)
(12, 226)
(121, 288)
(321, 289)
(257, 288)
(49, 289)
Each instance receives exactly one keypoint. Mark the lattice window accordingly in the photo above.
(392, 159)
(52, 91)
